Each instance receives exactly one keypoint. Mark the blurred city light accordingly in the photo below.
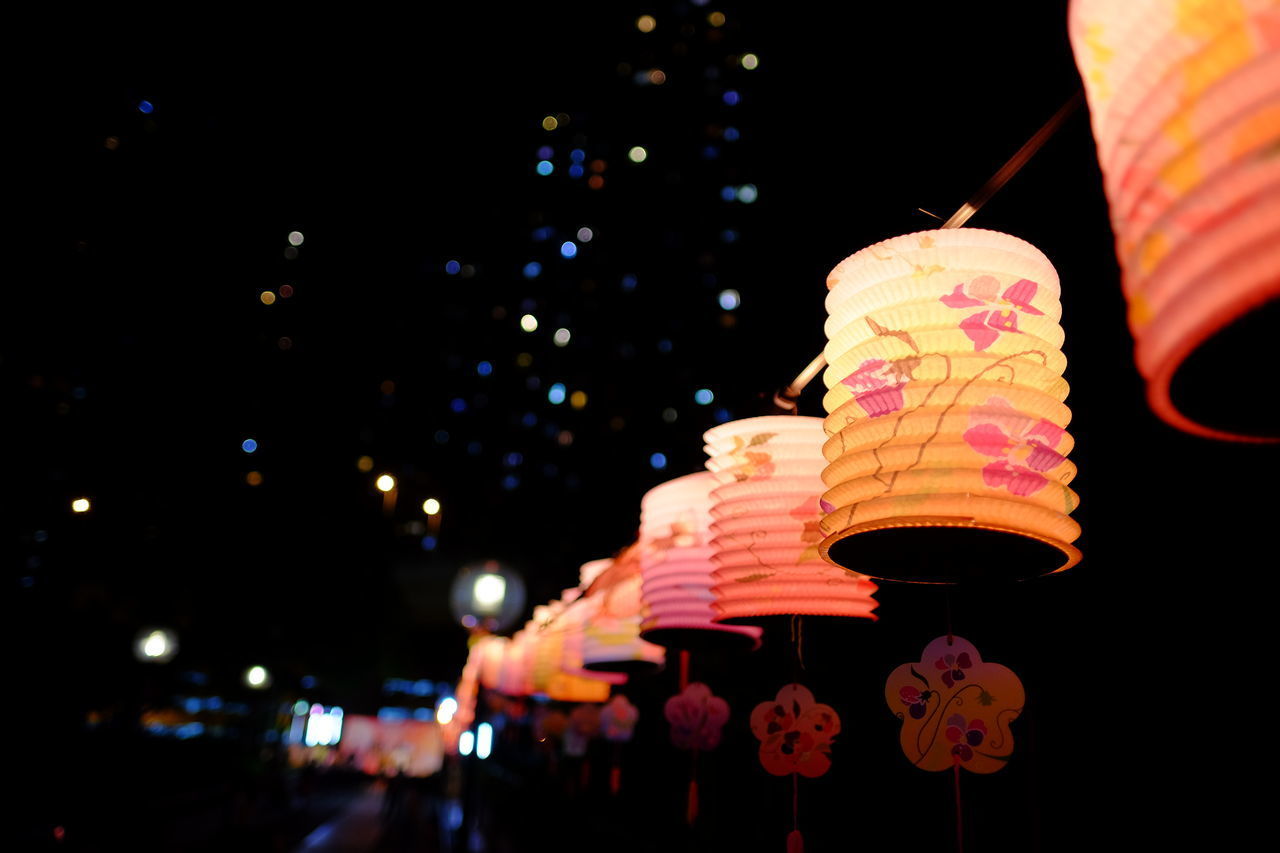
(324, 728)
(484, 740)
(444, 713)
(466, 743)
(80, 505)
(385, 483)
(155, 645)
(431, 506)
(257, 677)
(529, 323)
(487, 593)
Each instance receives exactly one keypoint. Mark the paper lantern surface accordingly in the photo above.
(768, 473)
(955, 708)
(676, 567)
(611, 629)
(947, 455)
(795, 732)
(1184, 98)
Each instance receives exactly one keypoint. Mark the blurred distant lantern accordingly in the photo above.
(675, 560)
(769, 476)
(947, 449)
(80, 505)
(431, 506)
(155, 645)
(611, 628)
(488, 596)
(257, 677)
(1184, 97)
(385, 483)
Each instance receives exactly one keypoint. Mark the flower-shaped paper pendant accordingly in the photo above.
(955, 709)
(618, 719)
(697, 717)
(795, 732)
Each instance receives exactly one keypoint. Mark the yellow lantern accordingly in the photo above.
(947, 448)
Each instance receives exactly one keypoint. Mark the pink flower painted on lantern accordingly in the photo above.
(916, 700)
(877, 384)
(1019, 452)
(953, 667)
(618, 719)
(964, 735)
(697, 717)
(795, 732)
(985, 327)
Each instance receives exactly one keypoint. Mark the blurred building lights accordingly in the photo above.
(585, 234)
(730, 299)
(747, 193)
(568, 249)
(578, 399)
(484, 740)
(646, 23)
(529, 323)
(385, 483)
(637, 154)
(488, 592)
(445, 711)
(545, 167)
(431, 506)
(249, 445)
(703, 396)
(658, 461)
(466, 743)
(452, 267)
(146, 107)
(550, 123)
(324, 728)
(750, 61)
(80, 505)
(295, 238)
(561, 337)
(365, 464)
(555, 395)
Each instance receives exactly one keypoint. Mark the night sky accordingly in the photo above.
(164, 171)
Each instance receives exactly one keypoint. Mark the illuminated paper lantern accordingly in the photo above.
(571, 622)
(611, 632)
(1184, 99)
(676, 565)
(948, 445)
(768, 472)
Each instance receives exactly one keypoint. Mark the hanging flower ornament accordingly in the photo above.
(955, 709)
(795, 732)
(618, 719)
(697, 718)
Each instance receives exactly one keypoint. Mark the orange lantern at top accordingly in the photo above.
(1184, 97)
(947, 455)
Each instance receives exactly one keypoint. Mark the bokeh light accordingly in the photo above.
(646, 23)
(568, 249)
(578, 399)
(556, 394)
(385, 483)
(561, 337)
(747, 193)
(703, 396)
(585, 234)
(637, 154)
(431, 506)
(365, 464)
(295, 238)
(750, 61)
(248, 445)
(658, 461)
(155, 645)
(80, 505)
(253, 478)
(529, 323)
(257, 677)
(452, 267)
(545, 167)
(267, 297)
(550, 123)
(729, 299)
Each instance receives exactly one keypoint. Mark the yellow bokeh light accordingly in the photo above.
(578, 399)
(637, 154)
(657, 77)
(365, 464)
(267, 297)
(750, 61)
(431, 506)
(524, 359)
(716, 19)
(80, 505)
(253, 478)
(529, 323)
(646, 23)
(550, 123)
(385, 483)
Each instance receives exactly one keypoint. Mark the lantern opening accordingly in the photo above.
(699, 639)
(1217, 371)
(948, 554)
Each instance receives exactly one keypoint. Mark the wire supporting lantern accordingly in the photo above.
(768, 474)
(947, 448)
(676, 565)
(611, 624)
(1184, 99)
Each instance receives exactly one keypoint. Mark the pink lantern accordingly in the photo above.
(675, 559)
(768, 472)
(948, 448)
(611, 622)
(1184, 98)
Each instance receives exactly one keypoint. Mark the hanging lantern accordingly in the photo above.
(611, 633)
(1184, 99)
(571, 623)
(675, 558)
(947, 449)
(769, 476)
(515, 677)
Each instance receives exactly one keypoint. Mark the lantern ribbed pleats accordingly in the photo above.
(945, 411)
(611, 624)
(768, 474)
(675, 558)
(1184, 100)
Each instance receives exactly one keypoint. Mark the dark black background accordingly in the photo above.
(398, 141)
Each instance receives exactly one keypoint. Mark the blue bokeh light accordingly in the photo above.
(545, 152)
(429, 543)
(484, 368)
(556, 394)
(629, 282)
(703, 396)
(457, 404)
(248, 445)
(731, 134)
(545, 167)
(658, 461)
(731, 97)
(452, 267)
(576, 170)
(728, 193)
(532, 269)
(568, 249)
(146, 107)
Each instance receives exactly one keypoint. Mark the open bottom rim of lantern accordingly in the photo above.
(769, 612)
(1205, 386)
(946, 550)
(704, 637)
(625, 667)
